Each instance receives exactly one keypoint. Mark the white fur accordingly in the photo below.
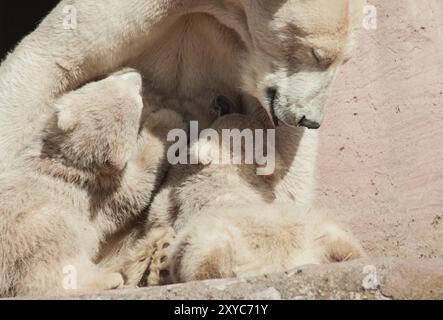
(186, 50)
(86, 177)
(227, 223)
(189, 52)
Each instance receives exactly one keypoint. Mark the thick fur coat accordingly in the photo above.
(271, 59)
(87, 176)
(224, 220)
(190, 51)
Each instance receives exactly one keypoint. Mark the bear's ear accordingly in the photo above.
(66, 120)
(133, 78)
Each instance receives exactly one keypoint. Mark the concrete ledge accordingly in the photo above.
(384, 278)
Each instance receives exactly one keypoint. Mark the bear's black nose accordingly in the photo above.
(310, 124)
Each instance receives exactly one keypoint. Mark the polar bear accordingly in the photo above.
(226, 222)
(86, 176)
(276, 58)
(275, 55)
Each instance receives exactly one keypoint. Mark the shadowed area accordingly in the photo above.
(18, 18)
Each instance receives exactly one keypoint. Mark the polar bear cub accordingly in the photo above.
(88, 175)
(227, 223)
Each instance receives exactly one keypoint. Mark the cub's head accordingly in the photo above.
(297, 46)
(99, 123)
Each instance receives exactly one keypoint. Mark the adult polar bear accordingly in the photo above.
(278, 54)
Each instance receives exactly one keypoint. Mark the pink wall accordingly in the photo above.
(381, 159)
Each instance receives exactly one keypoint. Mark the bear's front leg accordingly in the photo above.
(147, 263)
(202, 252)
(143, 174)
(148, 165)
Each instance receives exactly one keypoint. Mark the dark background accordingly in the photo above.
(18, 18)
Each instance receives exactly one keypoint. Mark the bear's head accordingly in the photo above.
(100, 122)
(296, 49)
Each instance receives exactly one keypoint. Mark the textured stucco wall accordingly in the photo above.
(381, 159)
